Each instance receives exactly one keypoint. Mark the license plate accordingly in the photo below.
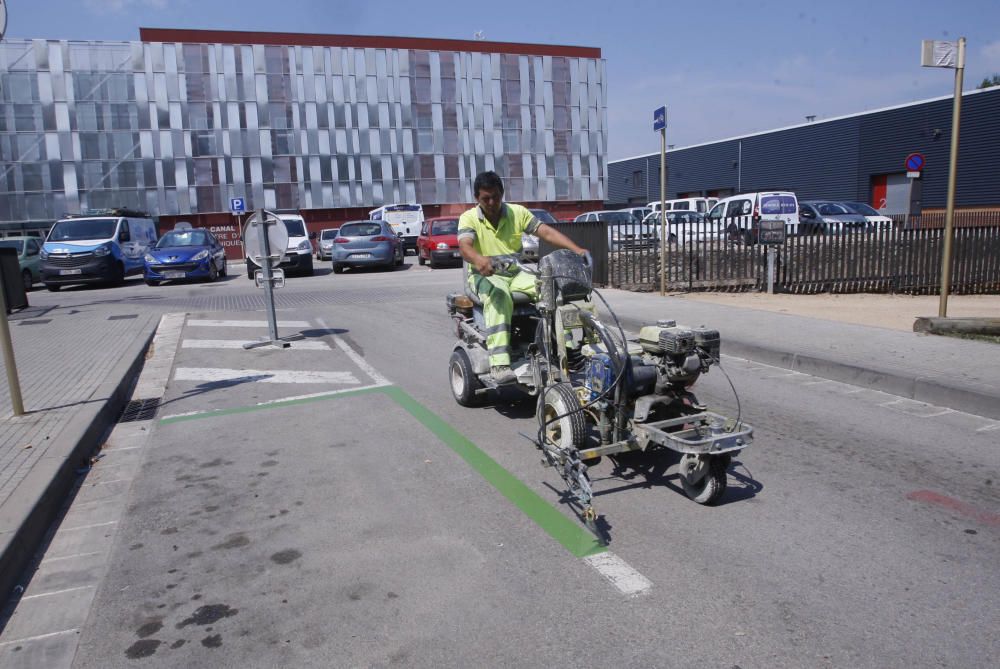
(361, 255)
(65, 272)
(174, 275)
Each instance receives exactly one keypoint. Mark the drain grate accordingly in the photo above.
(140, 410)
(123, 317)
(36, 321)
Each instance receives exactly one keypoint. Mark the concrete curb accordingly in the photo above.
(933, 391)
(26, 516)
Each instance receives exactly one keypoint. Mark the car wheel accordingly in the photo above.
(338, 268)
(224, 270)
(118, 275)
(400, 260)
(152, 282)
(26, 277)
(420, 258)
(213, 272)
(54, 287)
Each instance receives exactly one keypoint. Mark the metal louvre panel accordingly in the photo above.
(72, 260)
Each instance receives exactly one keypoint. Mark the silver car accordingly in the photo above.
(829, 218)
(529, 243)
(366, 244)
(324, 244)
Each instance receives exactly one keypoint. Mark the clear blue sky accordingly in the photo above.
(723, 68)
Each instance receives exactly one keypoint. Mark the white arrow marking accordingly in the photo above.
(229, 343)
(218, 375)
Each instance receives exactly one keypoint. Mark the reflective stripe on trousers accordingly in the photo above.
(498, 307)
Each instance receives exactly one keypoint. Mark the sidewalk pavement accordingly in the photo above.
(76, 366)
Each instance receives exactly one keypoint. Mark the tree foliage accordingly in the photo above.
(988, 82)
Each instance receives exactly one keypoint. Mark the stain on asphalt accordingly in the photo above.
(213, 463)
(286, 556)
(210, 508)
(177, 644)
(169, 530)
(269, 463)
(208, 614)
(196, 597)
(213, 641)
(149, 628)
(338, 444)
(357, 592)
(299, 503)
(194, 554)
(272, 453)
(135, 547)
(237, 540)
(284, 512)
(141, 649)
(391, 595)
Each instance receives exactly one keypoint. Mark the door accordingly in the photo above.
(891, 193)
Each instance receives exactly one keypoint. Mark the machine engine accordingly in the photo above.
(680, 353)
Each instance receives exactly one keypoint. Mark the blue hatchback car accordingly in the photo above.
(185, 254)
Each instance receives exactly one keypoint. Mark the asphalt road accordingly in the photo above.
(860, 530)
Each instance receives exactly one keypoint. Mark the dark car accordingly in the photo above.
(829, 218)
(366, 244)
(185, 254)
(438, 241)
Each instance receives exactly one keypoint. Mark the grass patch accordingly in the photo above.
(992, 339)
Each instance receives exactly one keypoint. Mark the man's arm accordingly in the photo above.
(466, 246)
(558, 239)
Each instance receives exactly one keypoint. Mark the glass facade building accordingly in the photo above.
(182, 121)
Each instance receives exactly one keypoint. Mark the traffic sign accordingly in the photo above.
(237, 205)
(915, 162)
(277, 238)
(771, 232)
(659, 118)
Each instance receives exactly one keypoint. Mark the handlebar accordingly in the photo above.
(511, 264)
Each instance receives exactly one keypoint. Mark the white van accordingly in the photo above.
(405, 220)
(699, 204)
(740, 215)
(298, 255)
(101, 247)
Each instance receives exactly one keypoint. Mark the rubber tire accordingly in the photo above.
(572, 429)
(712, 487)
(152, 282)
(401, 259)
(225, 268)
(28, 281)
(118, 278)
(311, 271)
(420, 258)
(338, 269)
(53, 287)
(461, 374)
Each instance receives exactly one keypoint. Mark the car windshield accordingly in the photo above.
(543, 216)
(829, 209)
(83, 228)
(861, 208)
(295, 227)
(183, 238)
(360, 230)
(15, 244)
(445, 227)
(615, 217)
(329, 234)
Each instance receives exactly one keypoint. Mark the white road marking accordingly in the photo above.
(323, 394)
(39, 636)
(87, 527)
(70, 557)
(235, 344)
(58, 592)
(219, 375)
(358, 360)
(994, 426)
(210, 323)
(619, 573)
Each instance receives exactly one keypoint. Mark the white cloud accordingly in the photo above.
(116, 6)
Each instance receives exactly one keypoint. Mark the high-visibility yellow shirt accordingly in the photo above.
(505, 238)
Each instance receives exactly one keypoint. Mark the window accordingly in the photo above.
(739, 208)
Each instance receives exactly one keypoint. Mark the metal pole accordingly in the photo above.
(770, 269)
(265, 265)
(949, 212)
(739, 169)
(13, 383)
(663, 211)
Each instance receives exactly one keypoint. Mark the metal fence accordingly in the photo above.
(902, 258)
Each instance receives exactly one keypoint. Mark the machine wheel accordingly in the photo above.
(712, 486)
(570, 431)
(338, 268)
(26, 277)
(464, 382)
(54, 287)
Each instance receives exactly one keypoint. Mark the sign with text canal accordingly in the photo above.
(915, 162)
(237, 205)
(659, 118)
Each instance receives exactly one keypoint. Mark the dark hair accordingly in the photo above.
(487, 181)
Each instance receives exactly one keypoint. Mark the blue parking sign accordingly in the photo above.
(659, 118)
(237, 205)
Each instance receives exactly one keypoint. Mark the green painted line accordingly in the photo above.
(272, 405)
(576, 539)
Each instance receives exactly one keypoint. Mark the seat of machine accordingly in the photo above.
(518, 297)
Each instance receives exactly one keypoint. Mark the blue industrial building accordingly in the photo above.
(859, 157)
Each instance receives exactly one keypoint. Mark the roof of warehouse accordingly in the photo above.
(965, 94)
(361, 41)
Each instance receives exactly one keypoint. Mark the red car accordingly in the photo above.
(438, 241)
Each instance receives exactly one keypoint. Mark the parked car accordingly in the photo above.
(438, 241)
(828, 218)
(638, 213)
(876, 219)
(700, 204)
(366, 244)
(28, 249)
(185, 254)
(298, 255)
(98, 248)
(741, 214)
(685, 227)
(325, 242)
(529, 243)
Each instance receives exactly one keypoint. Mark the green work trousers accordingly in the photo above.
(498, 307)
